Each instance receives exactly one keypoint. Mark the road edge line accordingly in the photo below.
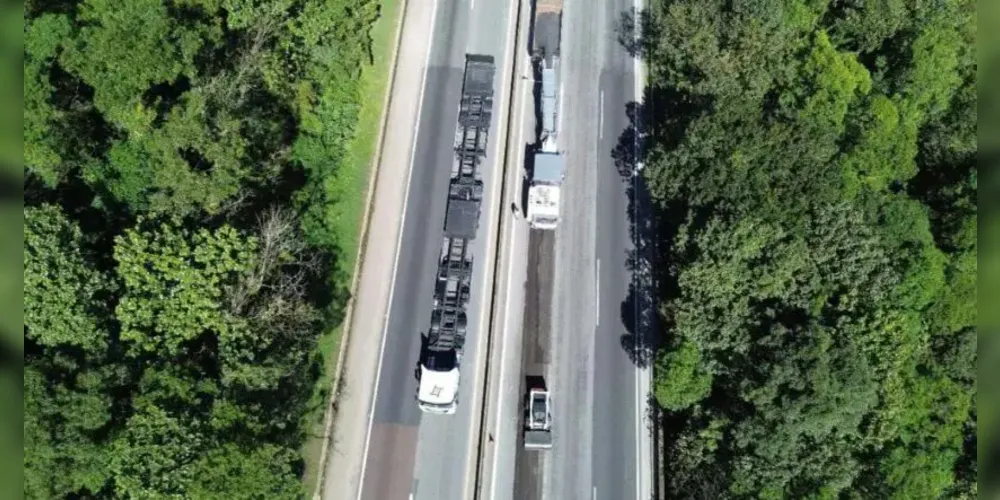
(643, 377)
(360, 256)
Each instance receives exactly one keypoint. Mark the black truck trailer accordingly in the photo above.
(441, 356)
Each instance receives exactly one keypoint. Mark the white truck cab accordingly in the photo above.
(437, 391)
(538, 420)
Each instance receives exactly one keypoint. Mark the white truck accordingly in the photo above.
(546, 178)
(441, 354)
(439, 376)
(537, 420)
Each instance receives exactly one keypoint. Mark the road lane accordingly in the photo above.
(412, 296)
(597, 401)
(620, 434)
(536, 348)
(410, 452)
(367, 313)
(504, 396)
(621, 438)
(569, 465)
(447, 452)
(615, 409)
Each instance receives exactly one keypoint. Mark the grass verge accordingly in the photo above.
(352, 185)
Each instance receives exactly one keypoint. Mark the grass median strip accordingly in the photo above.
(352, 184)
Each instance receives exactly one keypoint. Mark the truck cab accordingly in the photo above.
(543, 207)
(437, 391)
(538, 420)
(545, 188)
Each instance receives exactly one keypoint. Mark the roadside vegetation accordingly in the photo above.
(192, 193)
(813, 165)
(353, 175)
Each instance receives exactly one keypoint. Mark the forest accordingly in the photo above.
(187, 219)
(813, 164)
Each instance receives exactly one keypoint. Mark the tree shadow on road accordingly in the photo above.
(638, 309)
(634, 29)
(657, 123)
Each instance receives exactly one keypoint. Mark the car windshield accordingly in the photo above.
(539, 408)
(441, 361)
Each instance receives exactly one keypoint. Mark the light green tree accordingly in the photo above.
(174, 281)
(681, 378)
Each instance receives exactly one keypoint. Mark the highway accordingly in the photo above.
(579, 315)
(409, 454)
(563, 309)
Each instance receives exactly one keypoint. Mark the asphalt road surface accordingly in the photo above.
(594, 381)
(536, 346)
(411, 453)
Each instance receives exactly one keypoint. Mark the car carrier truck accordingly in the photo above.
(545, 183)
(441, 355)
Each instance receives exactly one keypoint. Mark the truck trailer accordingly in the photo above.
(441, 356)
(545, 184)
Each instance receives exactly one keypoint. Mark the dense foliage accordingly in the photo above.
(813, 164)
(180, 238)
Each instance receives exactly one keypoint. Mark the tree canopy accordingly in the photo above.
(178, 242)
(813, 170)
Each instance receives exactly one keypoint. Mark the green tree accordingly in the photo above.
(43, 38)
(63, 292)
(174, 281)
(122, 49)
(680, 380)
(154, 455)
(231, 472)
(61, 420)
(814, 181)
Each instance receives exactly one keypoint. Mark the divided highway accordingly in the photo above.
(562, 304)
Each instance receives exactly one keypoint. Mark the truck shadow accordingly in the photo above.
(529, 172)
(424, 341)
(533, 382)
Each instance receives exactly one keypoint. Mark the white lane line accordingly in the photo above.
(595, 493)
(597, 294)
(638, 435)
(472, 4)
(506, 321)
(600, 118)
(395, 264)
(638, 80)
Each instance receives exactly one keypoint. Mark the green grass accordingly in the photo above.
(351, 185)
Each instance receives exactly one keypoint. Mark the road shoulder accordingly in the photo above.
(368, 308)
